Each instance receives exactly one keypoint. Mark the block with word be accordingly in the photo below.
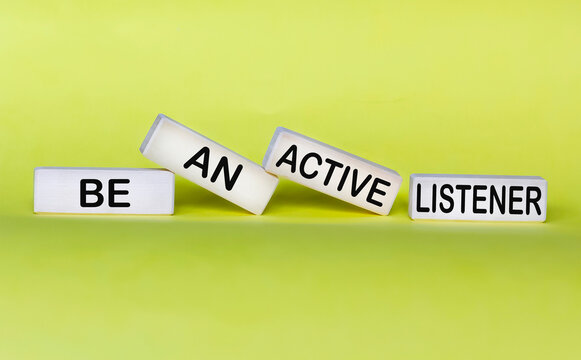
(208, 164)
(332, 171)
(477, 197)
(103, 191)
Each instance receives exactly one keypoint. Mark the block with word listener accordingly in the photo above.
(78, 190)
(208, 164)
(477, 197)
(332, 171)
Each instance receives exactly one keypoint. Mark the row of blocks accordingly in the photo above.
(291, 155)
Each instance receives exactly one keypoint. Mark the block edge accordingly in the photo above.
(151, 132)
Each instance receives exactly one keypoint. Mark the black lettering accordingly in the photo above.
(292, 151)
(228, 181)
(476, 199)
(513, 199)
(434, 189)
(304, 162)
(535, 200)
(343, 178)
(113, 192)
(448, 198)
(333, 164)
(463, 189)
(501, 204)
(419, 207)
(96, 191)
(375, 190)
(205, 151)
(354, 189)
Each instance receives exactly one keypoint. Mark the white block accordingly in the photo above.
(478, 197)
(103, 190)
(208, 164)
(332, 171)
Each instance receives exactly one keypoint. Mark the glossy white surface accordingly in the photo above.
(477, 197)
(332, 171)
(204, 162)
(106, 190)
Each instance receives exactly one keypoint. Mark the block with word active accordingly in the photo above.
(332, 171)
(208, 164)
(478, 197)
(103, 191)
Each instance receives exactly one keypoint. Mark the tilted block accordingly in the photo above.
(477, 197)
(332, 171)
(208, 164)
(103, 191)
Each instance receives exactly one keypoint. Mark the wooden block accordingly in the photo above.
(208, 164)
(478, 197)
(332, 171)
(103, 190)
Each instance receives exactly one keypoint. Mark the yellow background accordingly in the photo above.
(484, 87)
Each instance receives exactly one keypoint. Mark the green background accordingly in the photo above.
(484, 87)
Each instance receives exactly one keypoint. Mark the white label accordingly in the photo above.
(332, 171)
(478, 197)
(208, 164)
(103, 191)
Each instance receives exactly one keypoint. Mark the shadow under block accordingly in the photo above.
(208, 164)
(103, 191)
(332, 171)
(477, 197)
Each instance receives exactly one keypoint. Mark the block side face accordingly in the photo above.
(411, 197)
(211, 165)
(36, 188)
(333, 172)
(150, 133)
(271, 146)
(103, 191)
(477, 198)
(170, 180)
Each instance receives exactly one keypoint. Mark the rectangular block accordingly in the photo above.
(332, 171)
(208, 164)
(103, 190)
(478, 197)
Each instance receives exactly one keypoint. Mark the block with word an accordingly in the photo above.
(208, 164)
(477, 197)
(332, 171)
(103, 190)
